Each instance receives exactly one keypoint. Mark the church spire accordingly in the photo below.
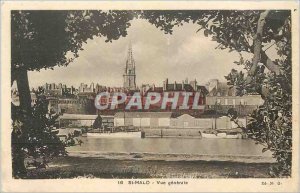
(129, 74)
(130, 61)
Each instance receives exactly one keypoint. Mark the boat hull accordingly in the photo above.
(221, 136)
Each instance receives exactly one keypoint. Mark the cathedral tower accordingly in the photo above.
(129, 74)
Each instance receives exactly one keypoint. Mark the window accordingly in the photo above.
(174, 123)
(185, 124)
(242, 102)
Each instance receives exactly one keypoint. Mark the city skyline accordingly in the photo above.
(157, 94)
(178, 56)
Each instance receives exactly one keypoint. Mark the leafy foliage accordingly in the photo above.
(271, 124)
(39, 139)
(44, 39)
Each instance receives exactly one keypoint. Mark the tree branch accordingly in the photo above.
(257, 41)
(269, 63)
(257, 45)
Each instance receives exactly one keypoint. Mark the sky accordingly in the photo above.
(184, 54)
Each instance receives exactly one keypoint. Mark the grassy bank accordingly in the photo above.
(74, 167)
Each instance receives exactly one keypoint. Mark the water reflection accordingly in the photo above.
(171, 145)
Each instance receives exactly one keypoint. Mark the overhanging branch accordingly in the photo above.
(257, 46)
(269, 63)
(257, 43)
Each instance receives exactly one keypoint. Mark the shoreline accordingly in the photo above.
(112, 165)
(70, 167)
(150, 163)
(149, 156)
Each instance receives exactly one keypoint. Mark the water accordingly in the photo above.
(202, 146)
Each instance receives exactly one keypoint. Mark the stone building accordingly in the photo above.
(71, 105)
(222, 97)
(142, 119)
(81, 120)
(59, 90)
(188, 121)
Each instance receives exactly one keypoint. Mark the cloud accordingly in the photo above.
(185, 54)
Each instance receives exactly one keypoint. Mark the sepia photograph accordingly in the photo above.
(137, 94)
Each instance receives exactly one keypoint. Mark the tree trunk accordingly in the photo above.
(24, 91)
(257, 46)
(24, 116)
(18, 157)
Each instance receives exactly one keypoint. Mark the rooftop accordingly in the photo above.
(80, 117)
(143, 114)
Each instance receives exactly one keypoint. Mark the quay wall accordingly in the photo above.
(173, 132)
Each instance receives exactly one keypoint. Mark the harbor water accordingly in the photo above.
(238, 147)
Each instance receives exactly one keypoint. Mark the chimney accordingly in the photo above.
(165, 84)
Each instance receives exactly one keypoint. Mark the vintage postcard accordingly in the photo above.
(150, 96)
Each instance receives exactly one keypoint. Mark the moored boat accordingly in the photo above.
(222, 135)
(235, 136)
